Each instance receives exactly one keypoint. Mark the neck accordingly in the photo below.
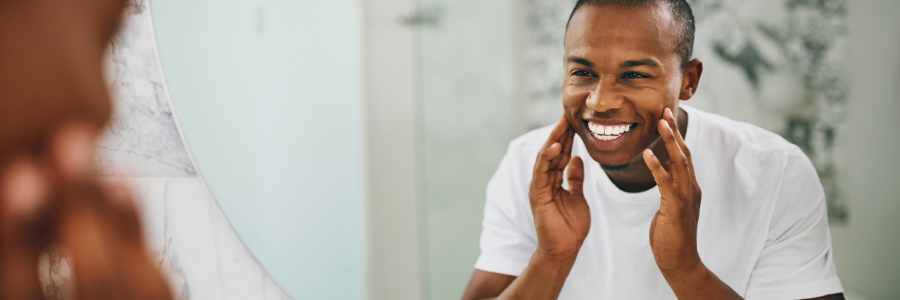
(636, 177)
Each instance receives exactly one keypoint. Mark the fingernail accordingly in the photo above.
(74, 150)
(24, 188)
(117, 193)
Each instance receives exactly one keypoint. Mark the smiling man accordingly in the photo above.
(628, 223)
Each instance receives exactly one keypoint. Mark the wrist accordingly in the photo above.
(695, 272)
(554, 264)
(699, 282)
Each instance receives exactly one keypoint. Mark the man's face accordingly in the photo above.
(622, 71)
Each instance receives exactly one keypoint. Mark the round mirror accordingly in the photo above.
(349, 143)
(268, 95)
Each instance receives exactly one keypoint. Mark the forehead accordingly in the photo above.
(622, 32)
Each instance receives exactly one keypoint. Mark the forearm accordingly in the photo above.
(699, 283)
(542, 279)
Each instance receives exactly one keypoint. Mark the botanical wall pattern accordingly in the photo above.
(774, 63)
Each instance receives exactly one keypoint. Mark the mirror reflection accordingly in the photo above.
(427, 149)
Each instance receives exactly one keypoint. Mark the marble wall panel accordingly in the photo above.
(143, 139)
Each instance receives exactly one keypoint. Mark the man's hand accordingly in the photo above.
(53, 105)
(562, 217)
(673, 231)
(48, 198)
(562, 220)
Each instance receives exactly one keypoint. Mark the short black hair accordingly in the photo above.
(681, 11)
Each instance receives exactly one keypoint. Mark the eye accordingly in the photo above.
(583, 73)
(633, 75)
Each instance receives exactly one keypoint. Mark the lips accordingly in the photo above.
(609, 136)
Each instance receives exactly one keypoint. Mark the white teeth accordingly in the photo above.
(608, 132)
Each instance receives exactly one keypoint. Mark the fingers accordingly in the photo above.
(676, 156)
(101, 230)
(559, 164)
(142, 277)
(670, 119)
(695, 187)
(549, 162)
(29, 185)
(575, 176)
(84, 234)
(563, 139)
(670, 201)
(23, 209)
(72, 150)
(124, 217)
(568, 141)
(551, 148)
(557, 134)
(541, 177)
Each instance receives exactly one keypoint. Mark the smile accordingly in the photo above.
(608, 132)
(609, 137)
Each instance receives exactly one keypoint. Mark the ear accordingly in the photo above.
(690, 79)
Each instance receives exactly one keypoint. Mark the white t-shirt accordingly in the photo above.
(763, 226)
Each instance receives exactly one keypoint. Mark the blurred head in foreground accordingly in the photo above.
(53, 105)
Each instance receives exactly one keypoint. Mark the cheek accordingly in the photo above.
(650, 103)
(574, 97)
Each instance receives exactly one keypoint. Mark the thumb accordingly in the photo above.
(575, 176)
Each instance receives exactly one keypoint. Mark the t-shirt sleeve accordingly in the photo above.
(796, 262)
(507, 241)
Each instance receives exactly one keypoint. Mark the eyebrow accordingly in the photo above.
(638, 63)
(628, 64)
(579, 60)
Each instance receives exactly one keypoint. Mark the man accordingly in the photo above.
(53, 104)
(630, 225)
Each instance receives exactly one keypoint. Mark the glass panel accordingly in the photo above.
(469, 115)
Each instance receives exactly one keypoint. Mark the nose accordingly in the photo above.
(603, 98)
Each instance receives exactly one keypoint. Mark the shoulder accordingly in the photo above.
(532, 140)
(745, 161)
(741, 142)
(525, 147)
(515, 169)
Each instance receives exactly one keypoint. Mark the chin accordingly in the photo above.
(613, 161)
(620, 156)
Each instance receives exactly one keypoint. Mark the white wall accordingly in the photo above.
(866, 249)
(269, 96)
